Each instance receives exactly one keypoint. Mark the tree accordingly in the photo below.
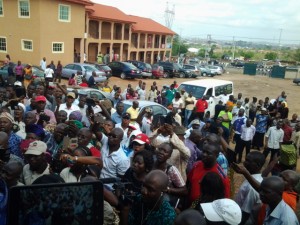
(297, 55)
(271, 55)
(178, 47)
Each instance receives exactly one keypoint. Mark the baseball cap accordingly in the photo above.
(131, 126)
(195, 122)
(18, 83)
(36, 148)
(142, 139)
(40, 98)
(224, 209)
(71, 94)
(126, 116)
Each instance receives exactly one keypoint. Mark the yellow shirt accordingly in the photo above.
(133, 113)
(107, 89)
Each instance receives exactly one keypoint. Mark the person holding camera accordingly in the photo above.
(43, 115)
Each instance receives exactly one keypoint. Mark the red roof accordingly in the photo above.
(143, 24)
(110, 13)
(82, 2)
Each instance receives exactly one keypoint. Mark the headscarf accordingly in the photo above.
(77, 114)
(35, 129)
(78, 124)
(7, 116)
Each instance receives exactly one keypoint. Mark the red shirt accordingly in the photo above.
(197, 174)
(287, 133)
(95, 152)
(83, 85)
(201, 105)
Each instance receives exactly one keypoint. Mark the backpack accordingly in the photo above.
(288, 154)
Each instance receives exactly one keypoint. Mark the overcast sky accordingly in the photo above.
(256, 20)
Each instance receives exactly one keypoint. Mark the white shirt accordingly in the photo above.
(146, 125)
(68, 176)
(114, 164)
(30, 176)
(49, 73)
(142, 94)
(43, 65)
(72, 109)
(247, 197)
(274, 136)
(176, 104)
(247, 133)
(125, 137)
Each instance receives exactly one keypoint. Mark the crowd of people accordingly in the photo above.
(177, 169)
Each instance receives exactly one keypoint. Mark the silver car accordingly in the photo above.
(90, 92)
(157, 109)
(83, 69)
(216, 70)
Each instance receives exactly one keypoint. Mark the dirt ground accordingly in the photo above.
(249, 86)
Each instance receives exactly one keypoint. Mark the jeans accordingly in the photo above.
(187, 115)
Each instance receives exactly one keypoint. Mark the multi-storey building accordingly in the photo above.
(67, 29)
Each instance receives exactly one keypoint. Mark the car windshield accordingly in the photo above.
(148, 66)
(197, 91)
(177, 66)
(131, 66)
(89, 68)
(105, 67)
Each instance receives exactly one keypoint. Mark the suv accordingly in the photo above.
(174, 70)
(193, 70)
(145, 68)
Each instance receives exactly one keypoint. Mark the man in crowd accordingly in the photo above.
(69, 106)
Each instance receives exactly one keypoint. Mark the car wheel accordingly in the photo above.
(123, 76)
(166, 75)
(204, 74)
(181, 75)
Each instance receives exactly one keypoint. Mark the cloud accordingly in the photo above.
(260, 18)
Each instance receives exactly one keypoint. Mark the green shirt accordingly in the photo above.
(228, 116)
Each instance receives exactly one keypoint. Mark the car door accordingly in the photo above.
(67, 70)
(115, 68)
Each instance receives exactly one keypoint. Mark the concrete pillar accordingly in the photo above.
(159, 42)
(121, 53)
(139, 40)
(111, 53)
(123, 30)
(100, 30)
(112, 30)
(152, 57)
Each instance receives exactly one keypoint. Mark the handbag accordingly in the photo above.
(288, 154)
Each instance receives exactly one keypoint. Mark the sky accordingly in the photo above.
(250, 20)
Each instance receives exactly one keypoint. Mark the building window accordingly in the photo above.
(24, 8)
(57, 47)
(3, 44)
(64, 13)
(27, 45)
(1, 7)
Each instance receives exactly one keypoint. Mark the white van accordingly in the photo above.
(214, 91)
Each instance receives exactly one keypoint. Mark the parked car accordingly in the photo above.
(296, 81)
(205, 71)
(157, 71)
(216, 70)
(101, 95)
(83, 69)
(145, 68)
(238, 64)
(104, 68)
(193, 70)
(157, 109)
(124, 70)
(174, 70)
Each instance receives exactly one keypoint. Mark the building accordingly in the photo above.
(32, 29)
(67, 29)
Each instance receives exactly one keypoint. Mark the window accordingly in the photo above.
(24, 8)
(57, 47)
(64, 13)
(1, 7)
(221, 90)
(27, 45)
(3, 44)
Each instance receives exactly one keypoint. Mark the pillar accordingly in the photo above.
(112, 30)
(100, 30)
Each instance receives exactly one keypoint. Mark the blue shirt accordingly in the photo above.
(14, 145)
(281, 215)
(237, 125)
(261, 123)
(116, 118)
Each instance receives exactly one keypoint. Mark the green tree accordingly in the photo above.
(271, 55)
(296, 55)
(178, 47)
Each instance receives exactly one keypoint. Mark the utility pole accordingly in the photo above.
(279, 40)
(233, 50)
